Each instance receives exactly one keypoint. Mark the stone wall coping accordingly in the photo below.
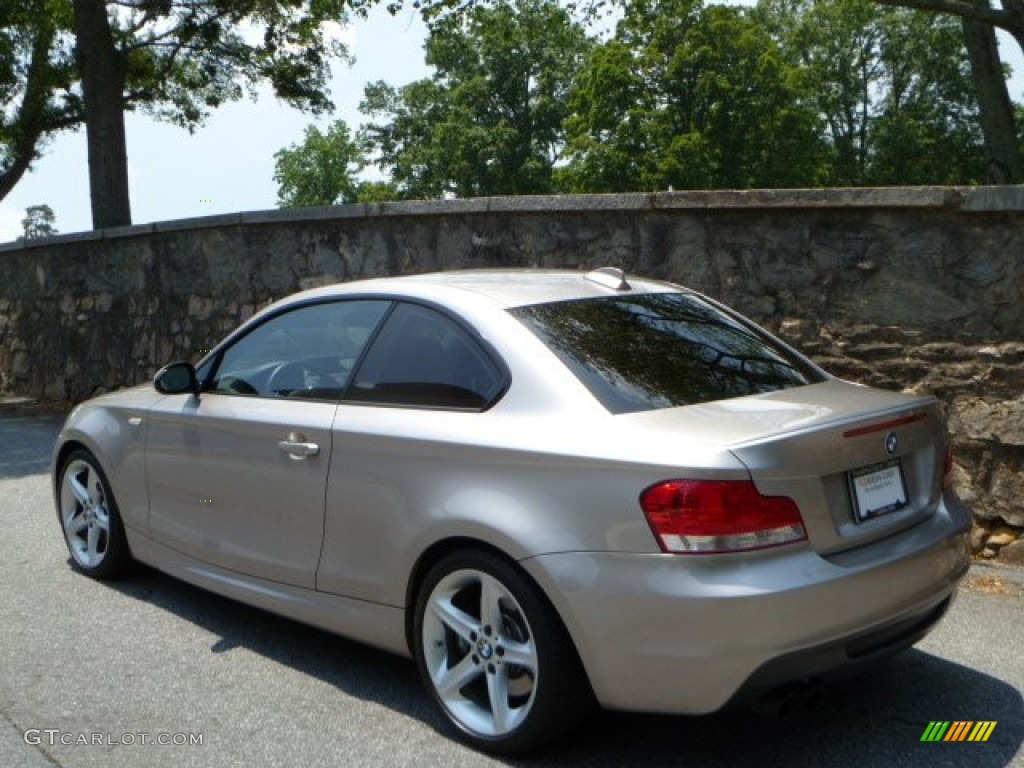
(203, 222)
(994, 199)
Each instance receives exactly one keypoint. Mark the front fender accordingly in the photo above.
(113, 429)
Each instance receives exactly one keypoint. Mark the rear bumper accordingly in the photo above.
(686, 634)
(841, 657)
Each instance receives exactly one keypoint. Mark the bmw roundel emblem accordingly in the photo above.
(891, 443)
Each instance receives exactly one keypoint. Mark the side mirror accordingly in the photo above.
(176, 379)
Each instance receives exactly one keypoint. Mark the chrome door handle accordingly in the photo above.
(298, 449)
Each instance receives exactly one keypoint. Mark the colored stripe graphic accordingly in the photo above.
(935, 731)
(982, 730)
(958, 730)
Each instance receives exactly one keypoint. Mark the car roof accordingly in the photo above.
(507, 288)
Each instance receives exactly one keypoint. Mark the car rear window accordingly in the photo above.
(639, 353)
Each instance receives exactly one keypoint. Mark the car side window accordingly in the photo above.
(308, 352)
(423, 359)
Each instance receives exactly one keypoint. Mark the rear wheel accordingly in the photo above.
(90, 519)
(495, 655)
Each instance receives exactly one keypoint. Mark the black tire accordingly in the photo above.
(505, 689)
(89, 518)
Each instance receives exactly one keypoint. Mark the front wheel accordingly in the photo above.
(495, 655)
(90, 519)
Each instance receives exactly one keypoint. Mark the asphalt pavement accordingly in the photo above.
(148, 671)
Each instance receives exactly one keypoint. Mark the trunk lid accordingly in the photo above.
(860, 463)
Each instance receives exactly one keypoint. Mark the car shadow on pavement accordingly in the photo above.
(875, 718)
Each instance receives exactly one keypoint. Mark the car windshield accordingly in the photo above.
(638, 353)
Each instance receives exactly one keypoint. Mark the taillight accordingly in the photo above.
(947, 469)
(701, 516)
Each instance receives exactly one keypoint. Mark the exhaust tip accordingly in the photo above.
(792, 699)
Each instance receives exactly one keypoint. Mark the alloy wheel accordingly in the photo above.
(480, 653)
(85, 513)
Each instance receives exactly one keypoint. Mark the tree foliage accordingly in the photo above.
(174, 59)
(681, 94)
(893, 86)
(1000, 127)
(36, 76)
(489, 121)
(39, 221)
(322, 170)
(688, 96)
(183, 58)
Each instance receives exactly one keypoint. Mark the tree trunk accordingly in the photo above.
(1014, 22)
(979, 19)
(1003, 158)
(1009, 17)
(1002, 153)
(12, 174)
(103, 97)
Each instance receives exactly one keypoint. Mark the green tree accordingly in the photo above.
(489, 121)
(893, 87)
(321, 170)
(927, 128)
(39, 221)
(377, 191)
(1005, 161)
(688, 96)
(174, 59)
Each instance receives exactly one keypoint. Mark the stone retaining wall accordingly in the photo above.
(919, 289)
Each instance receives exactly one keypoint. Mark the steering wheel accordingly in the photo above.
(290, 377)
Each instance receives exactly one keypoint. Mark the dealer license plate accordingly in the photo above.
(878, 490)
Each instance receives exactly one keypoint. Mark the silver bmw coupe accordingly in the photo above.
(550, 488)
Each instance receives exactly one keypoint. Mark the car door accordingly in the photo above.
(403, 441)
(237, 475)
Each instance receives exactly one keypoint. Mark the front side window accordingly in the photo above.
(421, 358)
(638, 353)
(308, 352)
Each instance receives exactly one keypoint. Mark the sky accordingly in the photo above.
(227, 165)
